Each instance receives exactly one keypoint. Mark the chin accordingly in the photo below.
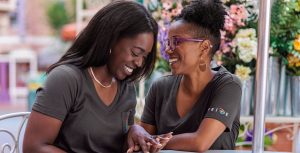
(174, 72)
(177, 72)
(120, 77)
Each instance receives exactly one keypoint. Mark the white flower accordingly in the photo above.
(246, 43)
(242, 72)
(246, 33)
(247, 49)
(225, 1)
(245, 56)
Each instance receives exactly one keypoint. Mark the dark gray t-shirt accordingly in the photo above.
(220, 100)
(88, 124)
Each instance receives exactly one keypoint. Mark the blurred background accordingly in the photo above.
(35, 33)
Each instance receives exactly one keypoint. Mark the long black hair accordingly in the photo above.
(208, 16)
(117, 20)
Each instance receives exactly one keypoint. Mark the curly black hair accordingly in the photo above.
(208, 16)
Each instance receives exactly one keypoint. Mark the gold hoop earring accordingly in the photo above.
(202, 65)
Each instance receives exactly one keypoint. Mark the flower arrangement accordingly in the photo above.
(285, 34)
(164, 11)
(247, 138)
(238, 47)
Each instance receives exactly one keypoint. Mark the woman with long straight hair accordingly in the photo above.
(88, 101)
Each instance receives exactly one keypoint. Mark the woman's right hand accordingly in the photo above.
(138, 138)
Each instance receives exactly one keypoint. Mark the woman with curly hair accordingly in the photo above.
(198, 103)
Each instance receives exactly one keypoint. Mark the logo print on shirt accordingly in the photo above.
(221, 111)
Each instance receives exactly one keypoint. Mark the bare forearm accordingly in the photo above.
(43, 149)
(186, 142)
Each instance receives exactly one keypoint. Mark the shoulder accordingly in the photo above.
(65, 71)
(65, 74)
(225, 78)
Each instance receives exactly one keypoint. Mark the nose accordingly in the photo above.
(169, 51)
(139, 61)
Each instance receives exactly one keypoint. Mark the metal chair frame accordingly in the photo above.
(15, 146)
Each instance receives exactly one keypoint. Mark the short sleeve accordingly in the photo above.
(225, 105)
(57, 96)
(148, 115)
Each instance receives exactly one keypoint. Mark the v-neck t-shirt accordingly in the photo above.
(88, 125)
(219, 100)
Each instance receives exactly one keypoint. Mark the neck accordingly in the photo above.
(102, 74)
(194, 82)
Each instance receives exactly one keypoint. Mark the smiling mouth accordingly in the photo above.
(172, 60)
(128, 69)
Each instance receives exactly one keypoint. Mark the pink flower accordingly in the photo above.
(233, 9)
(225, 48)
(175, 12)
(238, 13)
(229, 25)
(166, 15)
(167, 4)
(223, 34)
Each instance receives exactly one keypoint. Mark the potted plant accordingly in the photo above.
(285, 41)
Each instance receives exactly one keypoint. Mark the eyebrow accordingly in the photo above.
(143, 50)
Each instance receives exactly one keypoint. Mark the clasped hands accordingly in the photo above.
(138, 138)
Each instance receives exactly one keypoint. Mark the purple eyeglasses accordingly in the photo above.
(175, 41)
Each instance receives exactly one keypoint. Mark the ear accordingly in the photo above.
(205, 48)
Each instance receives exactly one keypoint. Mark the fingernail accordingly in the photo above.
(129, 150)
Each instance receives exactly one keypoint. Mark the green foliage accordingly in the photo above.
(162, 65)
(268, 139)
(285, 25)
(57, 15)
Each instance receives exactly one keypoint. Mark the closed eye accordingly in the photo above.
(134, 54)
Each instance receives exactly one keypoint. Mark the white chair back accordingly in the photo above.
(12, 131)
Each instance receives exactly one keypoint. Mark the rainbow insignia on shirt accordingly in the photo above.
(221, 111)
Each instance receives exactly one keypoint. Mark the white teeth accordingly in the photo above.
(172, 60)
(128, 69)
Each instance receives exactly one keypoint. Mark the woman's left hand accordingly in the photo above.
(163, 139)
(139, 137)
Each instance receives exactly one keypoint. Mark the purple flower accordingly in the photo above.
(249, 135)
(162, 38)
